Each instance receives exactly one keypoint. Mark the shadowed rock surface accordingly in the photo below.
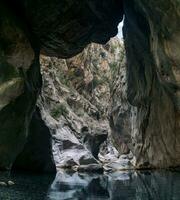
(20, 82)
(37, 153)
(153, 81)
(63, 29)
(59, 28)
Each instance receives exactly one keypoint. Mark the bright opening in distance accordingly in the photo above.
(120, 35)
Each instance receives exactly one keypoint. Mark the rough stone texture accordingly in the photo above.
(37, 152)
(59, 28)
(152, 35)
(75, 103)
(68, 151)
(145, 102)
(19, 87)
(64, 28)
(120, 109)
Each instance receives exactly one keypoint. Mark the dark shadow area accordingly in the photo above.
(28, 186)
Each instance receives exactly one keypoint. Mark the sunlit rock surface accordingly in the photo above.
(74, 103)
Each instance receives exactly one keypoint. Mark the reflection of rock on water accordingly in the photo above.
(157, 185)
(124, 185)
(78, 186)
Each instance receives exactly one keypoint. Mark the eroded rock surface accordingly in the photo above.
(59, 28)
(20, 82)
(75, 103)
(63, 28)
(37, 153)
(152, 35)
(149, 123)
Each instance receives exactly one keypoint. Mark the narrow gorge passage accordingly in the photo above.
(72, 95)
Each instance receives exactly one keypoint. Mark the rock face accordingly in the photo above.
(149, 124)
(64, 28)
(61, 28)
(74, 103)
(37, 153)
(145, 105)
(20, 82)
(152, 37)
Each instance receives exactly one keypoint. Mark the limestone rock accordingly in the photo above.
(74, 103)
(145, 104)
(37, 153)
(27, 28)
(20, 82)
(68, 151)
(147, 121)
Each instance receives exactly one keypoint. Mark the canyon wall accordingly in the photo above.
(58, 28)
(147, 122)
(75, 100)
(147, 118)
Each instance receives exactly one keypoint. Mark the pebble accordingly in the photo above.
(3, 183)
(10, 183)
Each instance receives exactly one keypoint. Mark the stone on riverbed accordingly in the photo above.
(3, 183)
(122, 163)
(8, 183)
(69, 152)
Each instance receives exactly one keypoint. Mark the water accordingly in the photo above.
(147, 185)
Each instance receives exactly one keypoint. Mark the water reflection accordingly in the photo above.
(156, 185)
(148, 185)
